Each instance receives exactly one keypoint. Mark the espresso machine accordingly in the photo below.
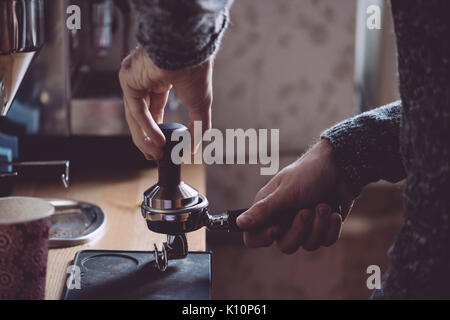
(21, 38)
(69, 105)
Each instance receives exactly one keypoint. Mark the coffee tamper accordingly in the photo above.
(172, 206)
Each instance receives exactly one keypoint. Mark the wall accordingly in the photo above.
(285, 64)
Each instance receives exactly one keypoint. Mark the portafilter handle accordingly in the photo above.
(169, 173)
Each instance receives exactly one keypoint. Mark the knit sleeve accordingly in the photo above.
(181, 33)
(366, 147)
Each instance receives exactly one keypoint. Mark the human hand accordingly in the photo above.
(146, 89)
(281, 210)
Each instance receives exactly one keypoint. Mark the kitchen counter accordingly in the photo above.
(119, 194)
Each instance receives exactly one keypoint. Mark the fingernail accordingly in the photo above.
(244, 221)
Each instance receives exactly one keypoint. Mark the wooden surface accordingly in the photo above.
(119, 194)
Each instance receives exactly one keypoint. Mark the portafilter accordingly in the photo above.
(172, 206)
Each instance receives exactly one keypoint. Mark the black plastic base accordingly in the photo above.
(109, 274)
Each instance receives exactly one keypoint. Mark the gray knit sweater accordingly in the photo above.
(408, 139)
(181, 33)
(367, 149)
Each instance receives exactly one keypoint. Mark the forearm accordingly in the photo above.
(366, 147)
(181, 33)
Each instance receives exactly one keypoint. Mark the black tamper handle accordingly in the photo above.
(232, 216)
(169, 174)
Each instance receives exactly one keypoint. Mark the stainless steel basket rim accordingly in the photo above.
(202, 204)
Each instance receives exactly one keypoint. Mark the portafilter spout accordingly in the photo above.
(172, 206)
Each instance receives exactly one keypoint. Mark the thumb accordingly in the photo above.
(262, 212)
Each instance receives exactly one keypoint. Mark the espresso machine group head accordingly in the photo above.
(172, 206)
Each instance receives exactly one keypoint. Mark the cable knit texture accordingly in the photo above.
(181, 33)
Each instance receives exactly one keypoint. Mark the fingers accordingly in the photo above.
(145, 94)
(312, 230)
(141, 141)
(262, 238)
(141, 114)
(298, 233)
(308, 229)
(157, 103)
(262, 212)
(320, 227)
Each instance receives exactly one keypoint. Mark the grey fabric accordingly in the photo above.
(365, 147)
(181, 33)
(420, 257)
